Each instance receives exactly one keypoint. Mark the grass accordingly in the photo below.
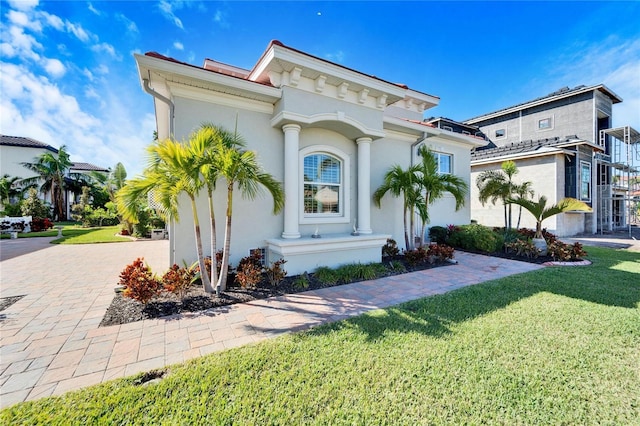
(72, 233)
(554, 346)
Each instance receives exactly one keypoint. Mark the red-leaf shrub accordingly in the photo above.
(139, 282)
(177, 280)
(441, 252)
(249, 272)
(39, 224)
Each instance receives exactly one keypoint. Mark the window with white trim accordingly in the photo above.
(544, 123)
(322, 184)
(445, 163)
(585, 181)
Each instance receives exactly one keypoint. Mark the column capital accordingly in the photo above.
(364, 139)
(291, 126)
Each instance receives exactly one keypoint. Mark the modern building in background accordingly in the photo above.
(564, 144)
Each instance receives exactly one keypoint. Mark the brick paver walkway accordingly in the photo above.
(50, 340)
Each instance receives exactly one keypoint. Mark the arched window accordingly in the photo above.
(324, 185)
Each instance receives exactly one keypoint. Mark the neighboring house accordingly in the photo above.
(300, 113)
(15, 150)
(556, 143)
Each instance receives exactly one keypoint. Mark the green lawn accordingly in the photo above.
(555, 346)
(72, 233)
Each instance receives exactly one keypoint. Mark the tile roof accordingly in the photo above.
(88, 167)
(493, 151)
(25, 142)
(278, 43)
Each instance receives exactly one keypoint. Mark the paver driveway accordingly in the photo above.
(51, 343)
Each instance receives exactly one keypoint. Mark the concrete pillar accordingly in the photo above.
(291, 177)
(364, 185)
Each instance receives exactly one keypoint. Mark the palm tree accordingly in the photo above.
(524, 190)
(434, 185)
(241, 168)
(402, 183)
(11, 187)
(540, 211)
(52, 169)
(206, 144)
(497, 185)
(171, 171)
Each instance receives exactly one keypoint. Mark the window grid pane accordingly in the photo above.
(322, 184)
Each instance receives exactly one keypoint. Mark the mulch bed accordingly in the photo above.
(124, 310)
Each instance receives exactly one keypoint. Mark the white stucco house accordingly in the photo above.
(302, 114)
(15, 150)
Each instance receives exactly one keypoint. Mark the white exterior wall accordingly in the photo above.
(12, 156)
(547, 177)
(342, 113)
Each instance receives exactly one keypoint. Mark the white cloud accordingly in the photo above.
(612, 62)
(23, 4)
(335, 57)
(178, 46)
(220, 18)
(93, 9)
(34, 107)
(106, 48)
(53, 20)
(101, 69)
(166, 8)
(22, 19)
(55, 68)
(23, 45)
(129, 24)
(78, 31)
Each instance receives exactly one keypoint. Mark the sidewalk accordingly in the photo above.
(51, 343)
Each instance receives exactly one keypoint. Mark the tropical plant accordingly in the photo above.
(33, 206)
(206, 143)
(171, 171)
(402, 183)
(497, 185)
(52, 170)
(11, 187)
(434, 185)
(241, 168)
(540, 211)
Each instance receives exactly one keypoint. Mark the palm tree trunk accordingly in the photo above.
(506, 225)
(519, 217)
(224, 268)
(206, 284)
(412, 228)
(406, 230)
(214, 262)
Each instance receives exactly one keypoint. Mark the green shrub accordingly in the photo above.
(438, 234)
(358, 272)
(34, 206)
(326, 275)
(523, 247)
(390, 249)
(475, 237)
(302, 282)
(396, 266)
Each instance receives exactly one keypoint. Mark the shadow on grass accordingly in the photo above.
(612, 280)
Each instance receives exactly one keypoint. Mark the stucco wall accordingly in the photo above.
(572, 116)
(12, 156)
(548, 178)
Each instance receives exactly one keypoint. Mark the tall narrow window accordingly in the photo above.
(585, 181)
(322, 184)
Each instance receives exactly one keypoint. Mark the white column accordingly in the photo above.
(291, 146)
(364, 185)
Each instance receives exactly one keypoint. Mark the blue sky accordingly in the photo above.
(67, 73)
